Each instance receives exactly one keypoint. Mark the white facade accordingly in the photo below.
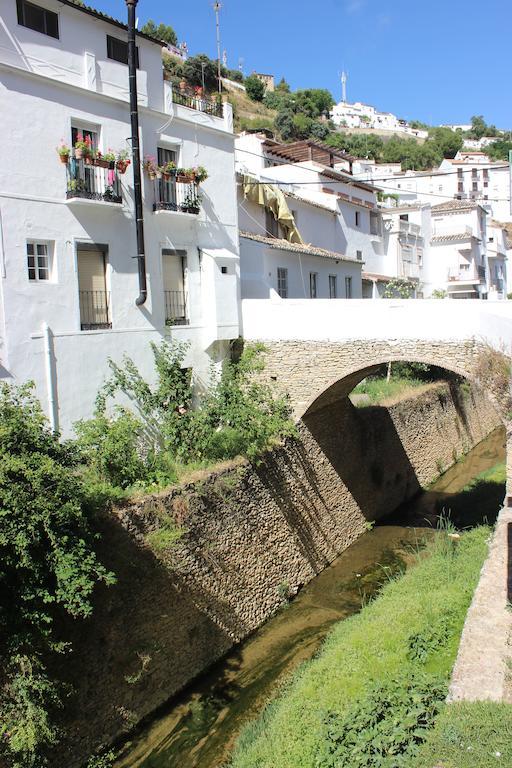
(48, 87)
(333, 212)
(360, 115)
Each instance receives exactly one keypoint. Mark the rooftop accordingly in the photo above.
(455, 205)
(451, 238)
(109, 19)
(300, 151)
(311, 250)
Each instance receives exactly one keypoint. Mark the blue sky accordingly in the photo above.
(439, 61)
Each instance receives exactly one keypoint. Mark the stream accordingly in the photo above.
(199, 727)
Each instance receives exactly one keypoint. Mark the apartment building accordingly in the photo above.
(68, 255)
(359, 115)
(338, 224)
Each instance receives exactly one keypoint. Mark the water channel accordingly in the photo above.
(198, 728)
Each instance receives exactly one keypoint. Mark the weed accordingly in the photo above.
(283, 590)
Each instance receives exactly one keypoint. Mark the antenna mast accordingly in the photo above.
(216, 8)
(344, 87)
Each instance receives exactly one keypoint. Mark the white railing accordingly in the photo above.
(408, 228)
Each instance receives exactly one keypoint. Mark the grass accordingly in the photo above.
(250, 113)
(412, 628)
(479, 501)
(469, 735)
(382, 392)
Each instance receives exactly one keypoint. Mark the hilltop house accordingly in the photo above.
(68, 249)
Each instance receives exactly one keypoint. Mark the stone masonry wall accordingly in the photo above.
(248, 531)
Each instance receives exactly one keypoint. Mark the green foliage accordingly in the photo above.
(411, 154)
(313, 102)
(47, 563)
(256, 124)
(479, 128)
(469, 735)
(283, 86)
(193, 71)
(448, 142)
(234, 74)
(344, 694)
(398, 288)
(102, 761)
(359, 145)
(439, 293)
(161, 32)
(255, 88)
(166, 536)
(385, 727)
(239, 415)
(174, 66)
(499, 150)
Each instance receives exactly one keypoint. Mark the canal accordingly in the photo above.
(198, 728)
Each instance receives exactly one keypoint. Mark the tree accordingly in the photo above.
(314, 101)
(162, 32)
(360, 145)
(319, 131)
(284, 124)
(478, 127)
(198, 66)
(448, 142)
(255, 88)
(499, 150)
(283, 86)
(235, 74)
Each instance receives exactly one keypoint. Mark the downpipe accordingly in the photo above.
(137, 187)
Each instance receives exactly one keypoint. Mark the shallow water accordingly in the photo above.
(198, 728)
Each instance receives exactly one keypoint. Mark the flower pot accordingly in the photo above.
(183, 179)
(79, 153)
(166, 176)
(183, 85)
(121, 166)
(64, 159)
(101, 163)
(152, 175)
(88, 160)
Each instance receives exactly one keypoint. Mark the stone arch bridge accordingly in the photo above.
(318, 350)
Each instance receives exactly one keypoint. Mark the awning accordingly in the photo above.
(271, 197)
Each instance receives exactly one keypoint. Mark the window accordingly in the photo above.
(282, 282)
(374, 224)
(37, 18)
(94, 298)
(359, 255)
(333, 288)
(404, 217)
(271, 224)
(38, 261)
(118, 50)
(348, 287)
(358, 219)
(313, 281)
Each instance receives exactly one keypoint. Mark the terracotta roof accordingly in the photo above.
(330, 173)
(455, 205)
(284, 245)
(300, 151)
(109, 19)
(451, 238)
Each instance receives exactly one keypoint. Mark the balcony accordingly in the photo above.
(94, 310)
(88, 182)
(175, 308)
(194, 100)
(469, 276)
(173, 195)
(408, 228)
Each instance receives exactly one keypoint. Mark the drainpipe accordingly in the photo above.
(137, 190)
(51, 384)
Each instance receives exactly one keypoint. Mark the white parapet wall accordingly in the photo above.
(342, 319)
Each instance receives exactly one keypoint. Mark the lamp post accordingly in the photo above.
(137, 188)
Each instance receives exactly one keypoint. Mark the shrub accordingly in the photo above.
(385, 727)
(255, 88)
(47, 563)
(194, 71)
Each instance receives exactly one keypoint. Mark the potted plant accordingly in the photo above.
(191, 203)
(76, 185)
(110, 158)
(183, 86)
(101, 160)
(64, 152)
(122, 160)
(150, 166)
(201, 174)
(83, 147)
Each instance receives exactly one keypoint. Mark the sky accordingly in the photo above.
(440, 61)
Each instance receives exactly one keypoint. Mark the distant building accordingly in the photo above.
(360, 115)
(267, 80)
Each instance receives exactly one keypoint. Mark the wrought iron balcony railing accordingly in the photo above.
(175, 308)
(89, 181)
(94, 310)
(173, 195)
(192, 100)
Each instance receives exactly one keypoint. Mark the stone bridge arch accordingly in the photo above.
(317, 373)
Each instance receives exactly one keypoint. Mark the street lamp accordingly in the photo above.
(216, 8)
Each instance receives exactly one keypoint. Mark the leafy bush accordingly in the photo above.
(239, 415)
(255, 88)
(385, 727)
(47, 562)
(162, 32)
(195, 66)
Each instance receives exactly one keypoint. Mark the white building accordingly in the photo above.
(337, 218)
(68, 247)
(359, 115)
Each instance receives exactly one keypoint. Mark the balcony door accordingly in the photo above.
(173, 272)
(81, 173)
(167, 189)
(92, 289)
